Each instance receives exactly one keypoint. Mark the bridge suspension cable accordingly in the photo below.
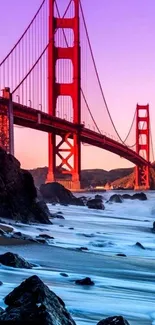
(100, 85)
(41, 55)
(17, 43)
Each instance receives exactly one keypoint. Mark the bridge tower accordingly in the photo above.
(55, 90)
(142, 146)
(6, 122)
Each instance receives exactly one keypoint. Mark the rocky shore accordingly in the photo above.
(22, 207)
(33, 303)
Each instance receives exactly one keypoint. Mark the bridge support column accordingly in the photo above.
(142, 181)
(6, 123)
(71, 168)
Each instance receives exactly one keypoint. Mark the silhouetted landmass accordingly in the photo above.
(89, 177)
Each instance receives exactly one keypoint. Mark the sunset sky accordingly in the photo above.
(122, 34)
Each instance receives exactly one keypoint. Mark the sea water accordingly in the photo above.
(124, 285)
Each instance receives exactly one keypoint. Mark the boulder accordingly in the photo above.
(64, 274)
(46, 236)
(126, 196)
(116, 198)
(95, 204)
(86, 281)
(32, 302)
(1, 285)
(114, 320)
(121, 254)
(139, 245)
(18, 195)
(58, 215)
(139, 196)
(57, 193)
(98, 196)
(14, 260)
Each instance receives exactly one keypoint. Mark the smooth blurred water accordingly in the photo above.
(123, 285)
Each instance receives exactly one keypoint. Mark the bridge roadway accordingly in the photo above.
(35, 119)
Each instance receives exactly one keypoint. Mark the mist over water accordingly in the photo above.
(123, 285)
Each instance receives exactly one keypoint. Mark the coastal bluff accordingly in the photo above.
(18, 195)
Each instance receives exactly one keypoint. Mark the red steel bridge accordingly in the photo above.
(50, 82)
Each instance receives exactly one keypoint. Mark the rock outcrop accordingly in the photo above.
(18, 195)
(32, 302)
(117, 198)
(86, 281)
(114, 320)
(95, 204)
(57, 193)
(14, 260)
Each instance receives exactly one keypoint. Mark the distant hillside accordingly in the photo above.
(88, 176)
(129, 181)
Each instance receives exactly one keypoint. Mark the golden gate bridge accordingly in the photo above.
(50, 82)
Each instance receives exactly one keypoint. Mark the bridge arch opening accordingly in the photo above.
(64, 38)
(64, 108)
(64, 71)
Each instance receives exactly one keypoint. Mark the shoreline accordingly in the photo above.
(72, 260)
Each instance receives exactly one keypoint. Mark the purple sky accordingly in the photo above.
(122, 34)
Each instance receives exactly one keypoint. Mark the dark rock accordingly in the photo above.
(71, 228)
(114, 320)
(139, 196)
(32, 302)
(46, 236)
(82, 249)
(18, 195)
(14, 260)
(18, 233)
(41, 240)
(57, 193)
(98, 196)
(22, 236)
(116, 198)
(58, 215)
(126, 196)
(1, 285)
(64, 274)
(33, 240)
(153, 229)
(1, 311)
(2, 232)
(120, 254)
(84, 199)
(61, 226)
(140, 245)
(86, 281)
(95, 204)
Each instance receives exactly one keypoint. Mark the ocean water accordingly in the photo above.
(123, 285)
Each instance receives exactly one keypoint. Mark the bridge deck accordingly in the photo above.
(35, 119)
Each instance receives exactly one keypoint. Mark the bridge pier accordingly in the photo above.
(68, 148)
(65, 172)
(142, 173)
